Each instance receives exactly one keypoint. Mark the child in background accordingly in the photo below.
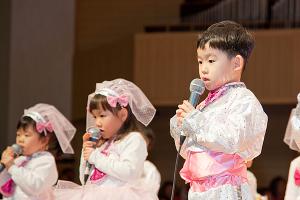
(151, 175)
(292, 138)
(32, 175)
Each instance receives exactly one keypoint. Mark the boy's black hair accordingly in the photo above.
(228, 36)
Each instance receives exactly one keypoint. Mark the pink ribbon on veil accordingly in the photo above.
(122, 100)
(43, 127)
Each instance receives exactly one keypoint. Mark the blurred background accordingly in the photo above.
(54, 51)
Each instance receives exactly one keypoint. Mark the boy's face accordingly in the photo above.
(215, 67)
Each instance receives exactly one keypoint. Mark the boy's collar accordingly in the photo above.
(239, 83)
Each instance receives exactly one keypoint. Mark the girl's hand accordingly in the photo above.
(87, 152)
(88, 144)
(86, 137)
(7, 157)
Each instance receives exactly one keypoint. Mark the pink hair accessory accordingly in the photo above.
(122, 100)
(43, 127)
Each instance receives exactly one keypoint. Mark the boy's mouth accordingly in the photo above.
(205, 79)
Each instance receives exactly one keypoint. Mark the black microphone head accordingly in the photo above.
(95, 133)
(197, 85)
(17, 149)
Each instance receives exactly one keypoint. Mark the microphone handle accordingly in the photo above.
(87, 171)
(2, 167)
(88, 165)
(194, 98)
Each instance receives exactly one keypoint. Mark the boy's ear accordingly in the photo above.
(238, 62)
(123, 114)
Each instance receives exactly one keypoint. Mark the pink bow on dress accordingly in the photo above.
(8, 188)
(97, 174)
(43, 127)
(297, 177)
(122, 100)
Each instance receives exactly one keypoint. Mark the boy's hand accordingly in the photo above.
(178, 117)
(7, 157)
(183, 109)
(186, 108)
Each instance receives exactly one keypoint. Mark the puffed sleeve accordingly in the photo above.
(151, 176)
(292, 133)
(175, 133)
(292, 190)
(238, 127)
(41, 175)
(129, 164)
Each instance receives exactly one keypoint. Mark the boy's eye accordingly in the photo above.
(102, 115)
(211, 61)
(200, 62)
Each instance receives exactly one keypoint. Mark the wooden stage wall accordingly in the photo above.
(165, 63)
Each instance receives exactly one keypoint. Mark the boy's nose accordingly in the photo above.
(204, 70)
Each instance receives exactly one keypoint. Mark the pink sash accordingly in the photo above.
(206, 170)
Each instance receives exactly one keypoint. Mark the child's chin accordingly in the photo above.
(26, 154)
(209, 87)
(105, 137)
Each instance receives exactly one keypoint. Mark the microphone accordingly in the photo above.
(17, 152)
(95, 136)
(197, 88)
